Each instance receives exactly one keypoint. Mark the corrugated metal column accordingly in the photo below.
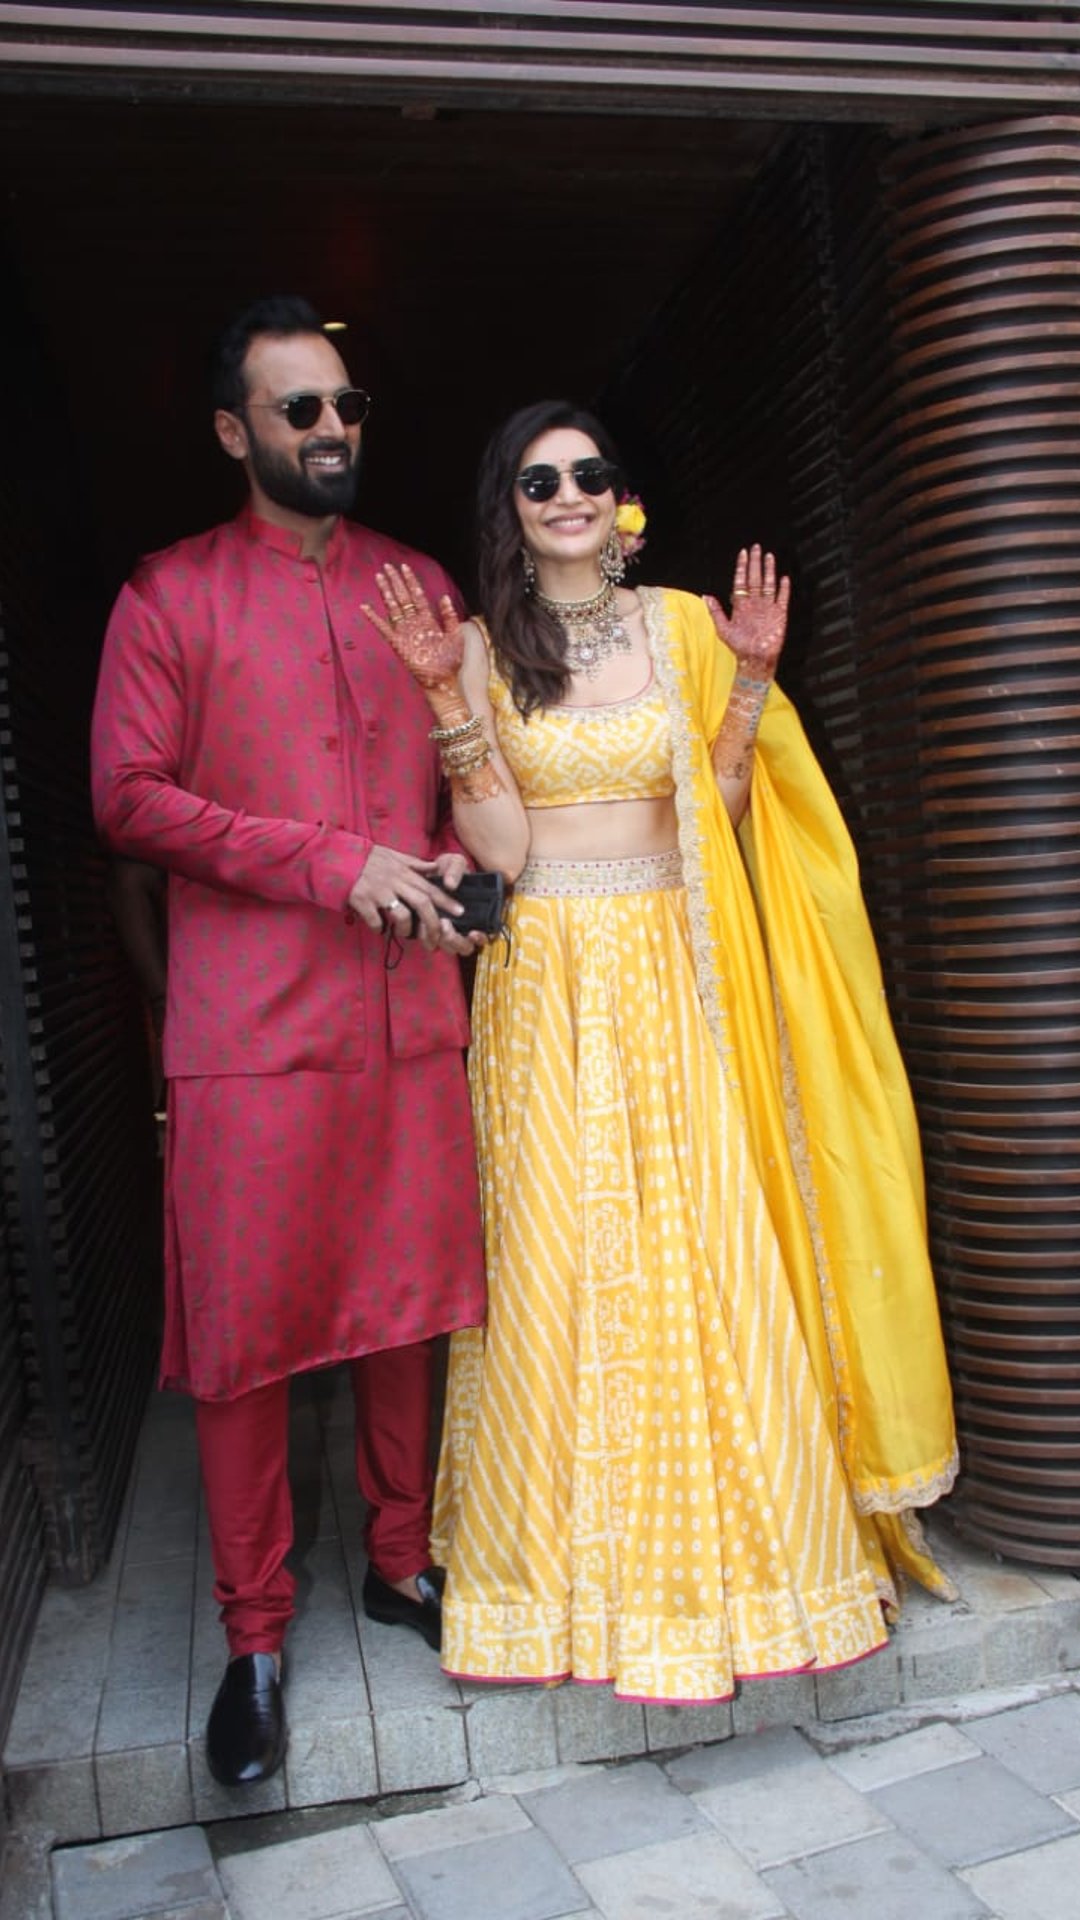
(961, 456)
(879, 375)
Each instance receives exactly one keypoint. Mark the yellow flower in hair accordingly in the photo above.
(630, 524)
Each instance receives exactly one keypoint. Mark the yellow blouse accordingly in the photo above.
(566, 756)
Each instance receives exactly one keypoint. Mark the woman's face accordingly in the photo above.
(572, 525)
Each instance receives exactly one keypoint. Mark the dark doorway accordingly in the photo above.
(479, 258)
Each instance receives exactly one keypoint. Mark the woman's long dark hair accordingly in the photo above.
(529, 644)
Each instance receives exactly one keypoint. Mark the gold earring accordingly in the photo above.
(612, 559)
(528, 568)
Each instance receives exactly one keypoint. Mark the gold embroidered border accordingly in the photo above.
(869, 1496)
(600, 879)
(908, 1490)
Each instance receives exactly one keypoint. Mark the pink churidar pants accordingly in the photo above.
(243, 1453)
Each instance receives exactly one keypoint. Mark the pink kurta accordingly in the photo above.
(255, 735)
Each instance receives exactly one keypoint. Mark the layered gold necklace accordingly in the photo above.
(593, 629)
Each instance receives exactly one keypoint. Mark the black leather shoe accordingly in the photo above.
(394, 1609)
(245, 1734)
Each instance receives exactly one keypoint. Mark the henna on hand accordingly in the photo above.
(755, 634)
(757, 627)
(427, 642)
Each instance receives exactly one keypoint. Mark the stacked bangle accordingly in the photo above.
(462, 748)
(445, 736)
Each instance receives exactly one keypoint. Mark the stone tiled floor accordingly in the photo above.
(944, 1820)
(107, 1734)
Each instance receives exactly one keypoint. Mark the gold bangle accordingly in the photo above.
(477, 756)
(443, 735)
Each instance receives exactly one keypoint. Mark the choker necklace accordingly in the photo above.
(592, 628)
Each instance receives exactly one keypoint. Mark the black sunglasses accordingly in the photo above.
(592, 476)
(303, 410)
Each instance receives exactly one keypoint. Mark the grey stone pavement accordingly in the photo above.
(943, 1772)
(948, 1818)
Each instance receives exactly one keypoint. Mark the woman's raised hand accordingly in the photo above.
(429, 643)
(759, 607)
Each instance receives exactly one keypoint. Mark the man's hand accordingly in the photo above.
(450, 867)
(393, 886)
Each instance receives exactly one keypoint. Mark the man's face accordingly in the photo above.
(313, 472)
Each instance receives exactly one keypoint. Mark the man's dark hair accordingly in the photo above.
(277, 313)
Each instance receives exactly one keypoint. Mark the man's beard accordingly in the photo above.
(301, 489)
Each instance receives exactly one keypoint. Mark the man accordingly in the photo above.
(255, 736)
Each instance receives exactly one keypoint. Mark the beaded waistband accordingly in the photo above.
(642, 873)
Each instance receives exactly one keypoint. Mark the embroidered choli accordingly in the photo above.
(567, 756)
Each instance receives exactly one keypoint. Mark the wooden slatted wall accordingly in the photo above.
(80, 1196)
(22, 1556)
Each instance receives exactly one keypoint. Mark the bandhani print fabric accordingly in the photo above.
(663, 1462)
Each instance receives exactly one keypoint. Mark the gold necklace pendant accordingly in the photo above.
(592, 628)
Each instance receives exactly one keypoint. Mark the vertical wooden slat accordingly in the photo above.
(79, 1195)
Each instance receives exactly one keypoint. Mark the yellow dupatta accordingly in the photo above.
(791, 985)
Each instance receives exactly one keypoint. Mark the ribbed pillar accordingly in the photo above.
(970, 565)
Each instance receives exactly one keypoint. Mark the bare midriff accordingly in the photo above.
(603, 830)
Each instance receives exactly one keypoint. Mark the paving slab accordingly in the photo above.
(971, 1812)
(139, 1789)
(144, 1698)
(458, 1826)
(939, 1657)
(60, 1795)
(745, 1759)
(867, 1686)
(509, 1728)
(418, 1747)
(628, 1806)
(25, 1882)
(782, 1702)
(885, 1877)
(322, 1876)
(773, 1818)
(152, 1874)
(922, 1751)
(1041, 1743)
(1038, 1884)
(668, 1727)
(513, 1876)
(590, 1724)
(165, 1497)
(705, 1880)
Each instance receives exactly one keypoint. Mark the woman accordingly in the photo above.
(711, 1386)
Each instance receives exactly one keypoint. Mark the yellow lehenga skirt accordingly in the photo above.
(638, 1482)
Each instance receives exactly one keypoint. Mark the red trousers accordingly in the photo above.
(243, 1454)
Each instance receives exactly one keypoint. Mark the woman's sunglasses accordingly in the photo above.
(303, 410)
(593, 476)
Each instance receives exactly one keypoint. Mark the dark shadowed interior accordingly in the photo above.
(481, 260)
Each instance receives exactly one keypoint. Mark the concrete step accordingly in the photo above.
(107, 1735)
